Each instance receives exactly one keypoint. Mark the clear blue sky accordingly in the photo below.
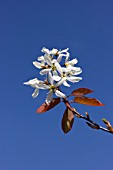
(30, 141)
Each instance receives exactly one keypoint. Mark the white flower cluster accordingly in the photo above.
(56, 74)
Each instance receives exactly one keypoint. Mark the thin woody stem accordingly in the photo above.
(92, 123)
(89, 120)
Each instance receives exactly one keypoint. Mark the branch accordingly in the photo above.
(89, 122)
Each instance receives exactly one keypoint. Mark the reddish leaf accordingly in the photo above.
(45, 107)
(67, 120)
(88, 101)
(81, 92)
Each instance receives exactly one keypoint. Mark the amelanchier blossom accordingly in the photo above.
(37, 84)
(57, 74)
(53, 88)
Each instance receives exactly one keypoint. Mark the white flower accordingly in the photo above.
(53, 88)
(58, 72)
(37, 84)
(70, 65)
(53, 65)
(47, 62)
(69, 75)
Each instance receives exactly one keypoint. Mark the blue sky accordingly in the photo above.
(30, 141)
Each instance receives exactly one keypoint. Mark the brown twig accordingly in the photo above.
(89, 122)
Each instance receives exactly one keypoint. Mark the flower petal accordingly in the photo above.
(74, 61)
(37, 64)
(49, 97)
(76, 68)
(60, 94)
(41, 58)
(65, 70)
(55, 73)
(56, 78)
(43, 86)
(45, 71)
(64, 51)
(26, 83)
(60, 82)
(59, 58)
(35, 93)
(70, 67)
(73, 72)
(45, 50)
(58, 67)
(54, 51)
(48, 60)
(66, 84)
(74, 79)
(32, 82)
(50, 78)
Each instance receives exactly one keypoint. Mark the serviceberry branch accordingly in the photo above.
(58, 70)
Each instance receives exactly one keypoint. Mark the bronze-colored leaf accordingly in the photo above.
(88, 101)
(81, 92)
(45, 107)
(67, 120)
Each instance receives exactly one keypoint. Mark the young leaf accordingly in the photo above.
(107, 123)
(67, 120)
(45, 107)
(88, 101)
(81, 92)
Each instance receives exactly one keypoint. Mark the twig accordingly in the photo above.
(89, 122)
